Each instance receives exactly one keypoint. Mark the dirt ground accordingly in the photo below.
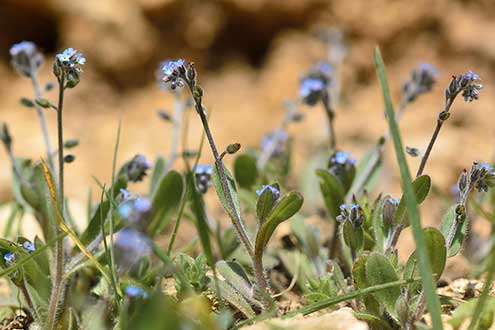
(250, 55)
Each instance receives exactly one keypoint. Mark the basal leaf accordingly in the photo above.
(379, 270)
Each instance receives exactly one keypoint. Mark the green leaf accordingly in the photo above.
(236, 277)
(264, 205)
(166, 200)
(379, 270)
(374, 321)
(198, 209)
(100, 214)
(421, 186)
(429, 286)
(245, 171)
(285, 208)
(234, 212)
(448, 222)
(437, 253)
(332, 191)
(378, 225)
(158, 172)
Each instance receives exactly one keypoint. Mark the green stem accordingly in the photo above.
(57, 290)
(440, 122)
(332, 140)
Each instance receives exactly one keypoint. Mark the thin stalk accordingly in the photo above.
(329, 111)
(57, 290)
(440, 122)
(236, 220)
(41, 117)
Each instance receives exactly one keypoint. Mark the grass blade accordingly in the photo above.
(485, 293)
(433, 303)
(351, 295)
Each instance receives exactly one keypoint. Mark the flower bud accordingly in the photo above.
(233, 148)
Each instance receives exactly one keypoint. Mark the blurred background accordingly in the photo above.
(250, 55)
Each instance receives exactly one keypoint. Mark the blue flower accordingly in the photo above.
(9, 257)
(487, 166)
(342, 158)
(353, 206)
(135, 211)
(26, 58)
(125, 210)
(71, 58)
(275, 191)
(203, 175)
(311, 89)
(125, 195)
(203, 169)
(134, 291)
(28, 246)
(395, 201)
(466, 83)
(174, 72)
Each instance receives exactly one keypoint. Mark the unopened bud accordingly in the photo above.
(233, 148)
(69, 158)
(27, 102)
(444, 115)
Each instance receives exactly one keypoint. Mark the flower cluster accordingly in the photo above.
(389, 209)
(480, 177)
(135, 169)
(134, 210)
(174, 73)
(466, 83)
(351, 212)
(203, 175)
(26, 58)
(67, 67)
(275, 191)
(313, 86)
(421, 81)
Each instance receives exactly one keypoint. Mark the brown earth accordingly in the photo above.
(250, 55)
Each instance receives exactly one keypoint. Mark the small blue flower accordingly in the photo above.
(9, 257)
(71, 58)
(310, 90)
(395, 201)
(343, 157)
(134, 291)
(174, 73)
(487, 166)
(203, 169)
(26, 58)
(353, 206)
(172, 66)
(125, 195)
(275, 191)
(28, 246)
(470, 75)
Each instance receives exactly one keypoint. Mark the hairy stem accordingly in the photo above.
(440, 122)
(57, 290)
